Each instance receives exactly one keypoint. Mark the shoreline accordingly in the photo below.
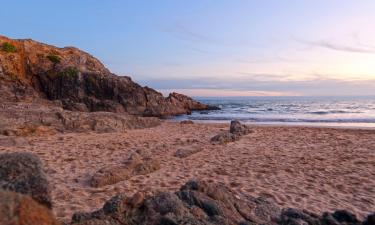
(312, 168)
(354, 126)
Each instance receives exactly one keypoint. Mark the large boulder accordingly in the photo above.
(18, 209)
(34, 71)
(23, 173)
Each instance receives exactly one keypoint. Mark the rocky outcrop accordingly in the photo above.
(18, 209)
(203, 203)
(25, 119)
(32, 70)
(134, 165)
(236, 130)
(197, 202)
(23, 173)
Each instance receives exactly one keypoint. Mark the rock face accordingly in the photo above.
(22, 172)
(134, 165)
(18, 209)
(80, 81)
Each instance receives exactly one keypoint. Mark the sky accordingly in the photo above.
(214, 47)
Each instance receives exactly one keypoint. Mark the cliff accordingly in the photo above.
(31, 71)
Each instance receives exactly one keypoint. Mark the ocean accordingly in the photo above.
(311, 111)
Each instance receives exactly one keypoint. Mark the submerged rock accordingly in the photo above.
(23, 173)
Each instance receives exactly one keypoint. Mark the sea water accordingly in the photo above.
(319, 111)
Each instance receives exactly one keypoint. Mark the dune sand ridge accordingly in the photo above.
(318, 169)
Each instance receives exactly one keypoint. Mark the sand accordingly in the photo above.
(318, 169)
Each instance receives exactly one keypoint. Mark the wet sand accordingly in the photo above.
(318, 169)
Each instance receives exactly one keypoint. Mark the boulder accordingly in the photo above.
(23, 173)
(187, 151)
(18, 209)
(134, 165)
(224, 138)
(238, 129)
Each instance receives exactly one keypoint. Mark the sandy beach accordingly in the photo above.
(318, 169)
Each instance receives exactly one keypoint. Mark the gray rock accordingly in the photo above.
(133, 166)
(187, 151)
(23, 173)
(235, 132)
(224, 138)
(238, 129)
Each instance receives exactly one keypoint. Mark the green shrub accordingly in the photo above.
(8, 47)
(54, 59)
(70, 73)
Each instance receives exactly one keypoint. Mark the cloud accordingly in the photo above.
(276, 59)
(183, 32)
(264, 76)
(318, 84)
(359, 48)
